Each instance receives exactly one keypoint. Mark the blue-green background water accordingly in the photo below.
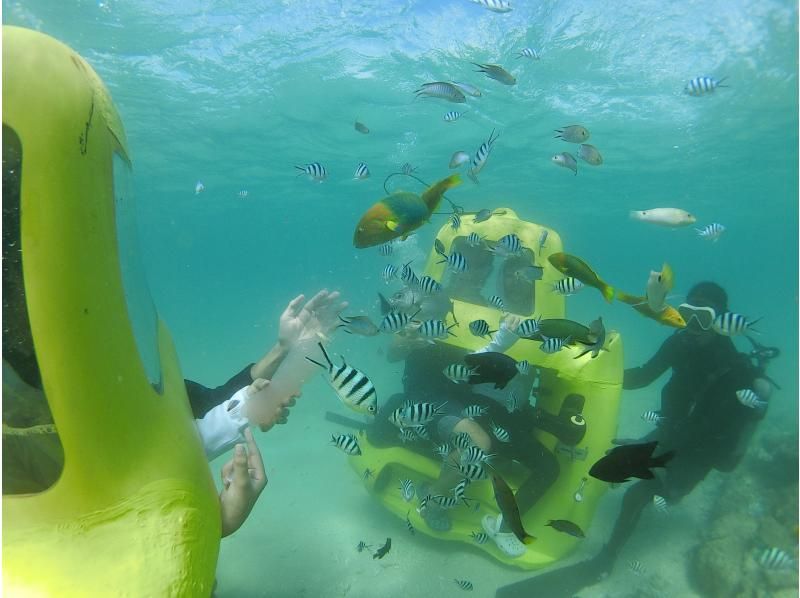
(234, 94)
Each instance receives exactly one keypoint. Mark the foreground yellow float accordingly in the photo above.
(134, 511)
(574, 496)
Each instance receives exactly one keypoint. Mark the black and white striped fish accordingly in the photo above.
(567, 286)
(479, 161)
(429, 285)
(637, 567)
(474, 454)
(660, 504)
(495, 5)
(362, 172)
(474, 239)
(407, 275)
(446, 502)
(528, 327)
(394, 321)
(419, 414)
(443, 450)
(442, 90)
(406, 168)
(314, 170)
(472, 471)
(243, 193)
(652, 417)
(512, 402)
(386, 249)
(422, 432)
(774, 559)
(523, 367)
(463, 583)
(452, 116)
(407, 435)
(497, 302)
(347, 443)
(553, 344)
(542, 240)
(423, 503)
(731, 324)
(458, 373)
(509, 244)
(352, 386)
(479, 537)
(750, 399)
(435, 329)
(389, 273)
(407, 490)
(500, 433)
(712, 232)
(456, 262)
(455, 221)
(409, 525)
(462, 441)
(472, 411)
(528, 53)
(460, 489)
(480, 328)
(702, 85)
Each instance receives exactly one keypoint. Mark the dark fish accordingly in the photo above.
(629, 461)
(383, 550)
(361, 127)
(358, 325)
(362, 546)
(491, 367)
(598, 331)
(508, 507)
(399, 214)
(567, 527)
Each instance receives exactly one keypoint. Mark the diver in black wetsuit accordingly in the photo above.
(704, 423)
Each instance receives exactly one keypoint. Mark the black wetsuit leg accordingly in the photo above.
(203, 399)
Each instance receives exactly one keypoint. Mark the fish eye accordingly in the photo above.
(578, 420)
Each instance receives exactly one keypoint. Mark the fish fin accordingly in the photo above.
(662, 460)
(392, 225)
(608, 293)
(317, 362)
(472, 177)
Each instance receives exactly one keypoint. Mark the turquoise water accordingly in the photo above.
(234, 94)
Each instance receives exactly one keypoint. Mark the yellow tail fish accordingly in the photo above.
(577, 268)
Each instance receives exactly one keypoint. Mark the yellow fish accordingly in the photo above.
(577, 268)
(668, 316)
(658, 287)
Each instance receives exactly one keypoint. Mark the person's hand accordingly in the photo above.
(265, 411)
(316, 317)
(512, 322)
(243, 480)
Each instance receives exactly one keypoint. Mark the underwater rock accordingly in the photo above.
(716, 567)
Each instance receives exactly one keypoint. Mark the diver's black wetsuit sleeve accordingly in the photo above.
(204, 399)
(646, 374)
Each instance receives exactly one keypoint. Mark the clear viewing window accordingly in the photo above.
(141, 311)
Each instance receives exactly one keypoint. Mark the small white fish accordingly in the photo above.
(567, 286)
(500, 433)
(199, 188)
(527, 328)
(314, 170)
(458, 159)
(479, 161)
(731, 324)
(495, 5)
(670, 217)
(553, 344)
(528, 53)
(451, 116)
(750, 399)
(565, 160)
(347, 443)
(712, 232)
(468, 89)
(458, 373)
(573, 134)
(243, 193)
(660, 503)
(362, 172)
(700, 86)
(407, 490)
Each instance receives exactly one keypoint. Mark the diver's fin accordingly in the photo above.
(561, 583)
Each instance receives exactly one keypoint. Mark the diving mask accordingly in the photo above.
(703, 317)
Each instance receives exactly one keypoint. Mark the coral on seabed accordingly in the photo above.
(756, 509)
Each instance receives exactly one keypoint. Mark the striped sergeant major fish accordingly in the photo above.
(407, 275)
(528, 53)
(497, 302)
(653, 417)
(394, 321)
(774, 559)
(407, 490)
(429, 285)
(442, 90)
(409, 526)
(386, 249)
(451, 116)
(462, 441)
(455, 221)
(523, 367)
(750, 399)
(512, 402)
(500, 433)
(362, 172)
(406, 168)
(389, 273)
(352, 386)
(443, 450)
(472, 411)
(479, 537)
(460, 489)
(422, 432)
(509, 244)
(458, 373)
(479, 161)
(472, 471)
(567, 286)
(419, 414)
(456, 262)
(480, 328)
(474, 239)
(637, 567)
(435, 329)
(407, 435)
(712, 232)
(731, 324)
(347, 443)
(553, 344)
(314, 170)
(660, 504)
(474, 454)
(495, 5)
(700, 86)
(463, 583)
(528, 327)
(446, 502)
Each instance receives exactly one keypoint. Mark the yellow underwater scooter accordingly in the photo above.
(134, 511)
(574, 495)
